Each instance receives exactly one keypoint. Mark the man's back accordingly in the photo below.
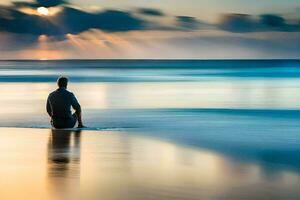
(59, 104)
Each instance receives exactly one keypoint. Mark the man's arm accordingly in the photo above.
(77, 109)
(78, 114)
(48, 108)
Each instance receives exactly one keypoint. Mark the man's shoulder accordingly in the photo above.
(51, 93)
(69, 93)
(58, 91)
(62, 92)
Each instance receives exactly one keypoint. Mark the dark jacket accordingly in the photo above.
(59, 104)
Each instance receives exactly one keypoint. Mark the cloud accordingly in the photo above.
(151, 12)
(237, 23)
(187, 22)
(69, 20)
(249, 23)
(272, 20)
(14, 21)
(39, 3)
(50, 3)
(20, 30)
(76, 21)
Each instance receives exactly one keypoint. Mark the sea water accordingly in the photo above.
(244, 111)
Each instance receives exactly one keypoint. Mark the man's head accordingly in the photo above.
(62, 82)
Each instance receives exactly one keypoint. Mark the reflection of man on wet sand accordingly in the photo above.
(64, 164)
(59, 105)
(62, 151)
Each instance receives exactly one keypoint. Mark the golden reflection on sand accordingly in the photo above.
(64, 163)
(49, 164)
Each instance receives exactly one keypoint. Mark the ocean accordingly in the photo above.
(247, 112)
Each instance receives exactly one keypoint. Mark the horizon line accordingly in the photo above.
(154, 59)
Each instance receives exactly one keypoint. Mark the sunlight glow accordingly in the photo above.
(43, 11)
(42, 38)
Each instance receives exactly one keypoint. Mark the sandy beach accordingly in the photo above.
(47, 164)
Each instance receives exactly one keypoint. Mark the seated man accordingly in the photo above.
(59, 105)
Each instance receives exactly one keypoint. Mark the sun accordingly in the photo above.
(43, 11)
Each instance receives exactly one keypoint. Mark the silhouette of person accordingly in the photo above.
(59, 105)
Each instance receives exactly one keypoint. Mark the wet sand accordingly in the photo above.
(47, 164)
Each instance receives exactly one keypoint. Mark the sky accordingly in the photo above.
(151, 29)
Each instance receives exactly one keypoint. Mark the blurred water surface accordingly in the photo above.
(178, 129)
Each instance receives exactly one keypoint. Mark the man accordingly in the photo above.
(59, 105)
